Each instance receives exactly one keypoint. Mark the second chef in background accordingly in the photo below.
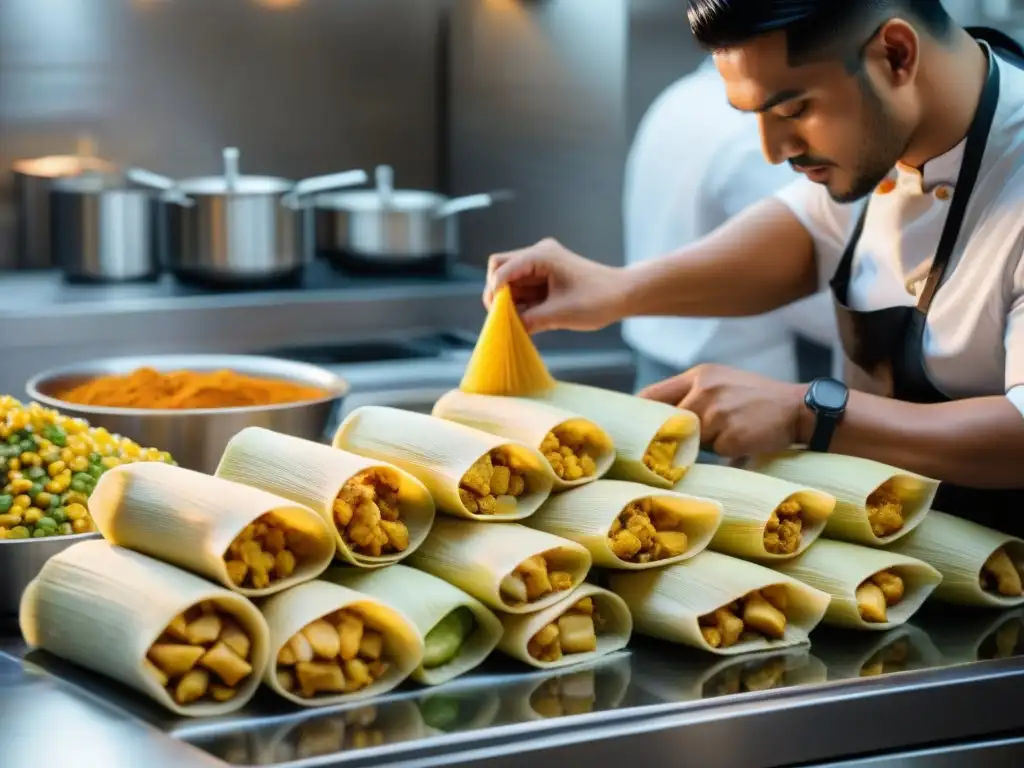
(695, 163)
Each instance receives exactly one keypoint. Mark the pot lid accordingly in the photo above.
(242, 185)
(58, 166)
(89, 183)
(372, 201)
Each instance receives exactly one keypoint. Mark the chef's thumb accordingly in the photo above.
(549, 315)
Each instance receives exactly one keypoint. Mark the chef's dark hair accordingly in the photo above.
(811, 26)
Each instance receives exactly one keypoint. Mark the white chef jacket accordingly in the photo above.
(695, 163)
(974, 335)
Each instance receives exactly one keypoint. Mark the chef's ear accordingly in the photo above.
(899, 46)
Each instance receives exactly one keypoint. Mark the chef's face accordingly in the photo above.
(843, 130)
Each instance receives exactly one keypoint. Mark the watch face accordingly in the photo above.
(829, 394)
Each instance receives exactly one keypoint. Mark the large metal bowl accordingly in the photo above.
(22, 559)
(196, 438)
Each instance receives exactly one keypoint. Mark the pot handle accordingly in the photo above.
(166, 186)
(326, 183)
(471, 203)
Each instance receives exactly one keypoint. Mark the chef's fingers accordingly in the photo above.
(524, 271)
(670, 391)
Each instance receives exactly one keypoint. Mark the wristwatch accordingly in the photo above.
(826, 398)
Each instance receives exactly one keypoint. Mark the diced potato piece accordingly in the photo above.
(192, 686)
(1001, 569)
(763, 617)
(237, 571)
(647, 531)
(155, 671)
(357, 674)
(871, 603)
(478, 476)
(286, 656)
(204, 630)
(576, 632)
(235, 639)
(672, 543)
(319, 677)
(323, 638)
(586, 605)
(561, 580)
(547, 635)
(266, 551)
(513, 589)
(177, 627)
(777, 595)
(222, 693)
(372, 645)
(286, 679)
(175, 660)
(660, 456)
(727, 626)
(534, 571)
(350, 635)
(301, 648)
(891, 586)
(783, 533)
(500, 478)
(885, 511)
(712, 636)
(226, 664)
(397, 534)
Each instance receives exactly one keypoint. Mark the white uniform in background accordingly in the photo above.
(695, 163)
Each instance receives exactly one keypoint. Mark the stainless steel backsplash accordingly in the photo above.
(309, 87)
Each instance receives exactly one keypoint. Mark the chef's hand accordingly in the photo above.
(556, 289)
(741, 413)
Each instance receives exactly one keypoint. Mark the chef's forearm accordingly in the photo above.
(977, 442)
(761, 260)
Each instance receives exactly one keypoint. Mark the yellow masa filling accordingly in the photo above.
(877, 594)
(660, 456)
(575, 631)
(368, 514)
(267, 550)
(758, 614)
(885, 508)
(646, 531)
(534, 579)
(572, 450)
(337, 653)
(783, 533)
(1000, 574)
(203, 655)
(493, 484)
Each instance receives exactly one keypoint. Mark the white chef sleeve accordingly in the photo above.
(742, 176)
(1014, 342)
(829, 223)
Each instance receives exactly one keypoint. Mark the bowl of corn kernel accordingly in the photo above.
(49, 464)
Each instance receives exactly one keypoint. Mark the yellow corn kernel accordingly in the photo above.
(33, 515)
(56, 468)
(13, 465)
(30, 459)
(79, 464)
(22, 501)
(110, 461)
(66, 455)
(74, 497)
(82, 526)
(20, 485)
(76, 512)
(44, 500)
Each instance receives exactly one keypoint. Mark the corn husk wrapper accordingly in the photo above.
(969, 635)
(851, 480)
(585, 515)
(692, 677)
(523, 420)
(748, 500)
(189, 519)
(632, 423)
(838, 568)
(288, 612)
(958, 548)
(103, 607)
(313, 475)
(330, 733)
(425, 600)
(438, 453)
(595, 686)
(613, 637)
(667, 603)
(849, 656)
(475, 558)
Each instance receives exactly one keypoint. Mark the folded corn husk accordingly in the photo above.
(584, 515)
(594, 686)
(632, 423)
(425, 600)
(838, 568)
(613, 636)
(690, 677)
(851, 480)
(288, 612)
(667, 602)
(855, 655)
(189, 519)
(527, 421)
(958, 549)
(438, 453)
(475, 558)
(748, 500)
(313, 475)
(103, 607)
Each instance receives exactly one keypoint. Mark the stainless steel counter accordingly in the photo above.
(656, 704)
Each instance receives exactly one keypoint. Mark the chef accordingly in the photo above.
(696, 162)
(909, 131)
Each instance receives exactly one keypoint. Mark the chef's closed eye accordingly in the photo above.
(791, 110)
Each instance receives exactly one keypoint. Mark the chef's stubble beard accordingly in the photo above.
(883, 143)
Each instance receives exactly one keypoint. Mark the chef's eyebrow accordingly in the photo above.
(779, 98)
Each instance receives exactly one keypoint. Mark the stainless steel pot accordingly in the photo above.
(21, 560)
(105, 230)
(196, 438)
(244, 229)
(385, 225)
(33, 182)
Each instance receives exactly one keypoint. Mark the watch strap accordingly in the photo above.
(824, 427)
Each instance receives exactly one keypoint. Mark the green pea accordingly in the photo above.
(96, 471)
(36, 489)
(85, 477)
(59, 514)
(95, 458)
(65, 529)
(54, 501)
(80, 487)
(15, 440)
(6, 502)
(39, 533)
(18, 532)
(47, 522)
(28, 445)
(35, 473)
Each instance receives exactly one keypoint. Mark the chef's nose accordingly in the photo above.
(779, 142)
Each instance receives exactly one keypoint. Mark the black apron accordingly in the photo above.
(886, 345)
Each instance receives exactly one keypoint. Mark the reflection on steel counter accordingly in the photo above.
(498, 699)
